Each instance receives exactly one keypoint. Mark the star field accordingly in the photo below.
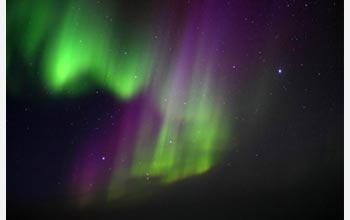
(226, 107)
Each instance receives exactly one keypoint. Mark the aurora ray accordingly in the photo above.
(87, 48)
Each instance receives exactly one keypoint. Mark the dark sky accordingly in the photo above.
(286, 161)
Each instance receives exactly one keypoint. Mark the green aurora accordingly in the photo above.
(82, 47)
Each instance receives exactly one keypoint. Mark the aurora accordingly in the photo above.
(174, 109)
(173, 127)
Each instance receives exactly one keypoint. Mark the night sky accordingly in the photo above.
(206, 109)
